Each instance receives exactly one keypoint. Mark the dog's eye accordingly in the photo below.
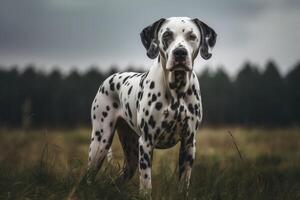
(167, 38)
(168, 35)
(192, 37)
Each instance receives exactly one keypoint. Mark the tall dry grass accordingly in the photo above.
(231, 163)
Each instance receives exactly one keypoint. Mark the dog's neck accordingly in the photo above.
(175, 84)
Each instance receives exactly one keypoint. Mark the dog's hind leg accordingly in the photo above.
(104, 116)
(129, 142)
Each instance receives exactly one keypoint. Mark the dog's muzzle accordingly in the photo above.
(180, 60)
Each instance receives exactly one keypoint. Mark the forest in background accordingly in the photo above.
(30, 98)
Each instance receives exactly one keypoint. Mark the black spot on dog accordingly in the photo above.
(125, 79)
(112, 86)
(141, 150)
(115, 105)
(164, 124)
(195, 92)
(112, 78)
(151, 122)
(129, 110)
(174, 106)
(181, 108)
(190, 139)
(139, 95)
(107, 108)
(154, 97)
(147, 159)
(143, 165)
(129, 91)
(118, 86)
(146, 131)
(158, 105)
(94, 116)
(183, 30)
(152, 85)
(104, 114)
(97, 133)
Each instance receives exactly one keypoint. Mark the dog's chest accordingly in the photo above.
(175, 122)
(163, 118)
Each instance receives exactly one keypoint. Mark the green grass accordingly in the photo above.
(49, 164)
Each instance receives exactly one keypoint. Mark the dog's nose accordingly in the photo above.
(180, 53)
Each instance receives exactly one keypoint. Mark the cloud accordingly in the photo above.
(80, 32)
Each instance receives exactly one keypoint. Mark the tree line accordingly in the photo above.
(34, 99)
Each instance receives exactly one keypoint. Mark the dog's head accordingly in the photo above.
(178, 40)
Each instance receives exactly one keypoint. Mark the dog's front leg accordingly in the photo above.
(186, 159)
(145, 159)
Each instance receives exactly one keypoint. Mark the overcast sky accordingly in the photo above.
(84, 32)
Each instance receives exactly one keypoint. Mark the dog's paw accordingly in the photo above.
(183, 187)
(146, 193)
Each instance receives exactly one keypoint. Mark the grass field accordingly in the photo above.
(253, 163)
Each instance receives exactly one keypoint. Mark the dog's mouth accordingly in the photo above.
(180, 66)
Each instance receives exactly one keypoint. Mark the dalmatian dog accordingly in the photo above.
(155, 109)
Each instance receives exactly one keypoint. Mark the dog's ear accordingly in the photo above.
(149, 38)
(208, 38)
